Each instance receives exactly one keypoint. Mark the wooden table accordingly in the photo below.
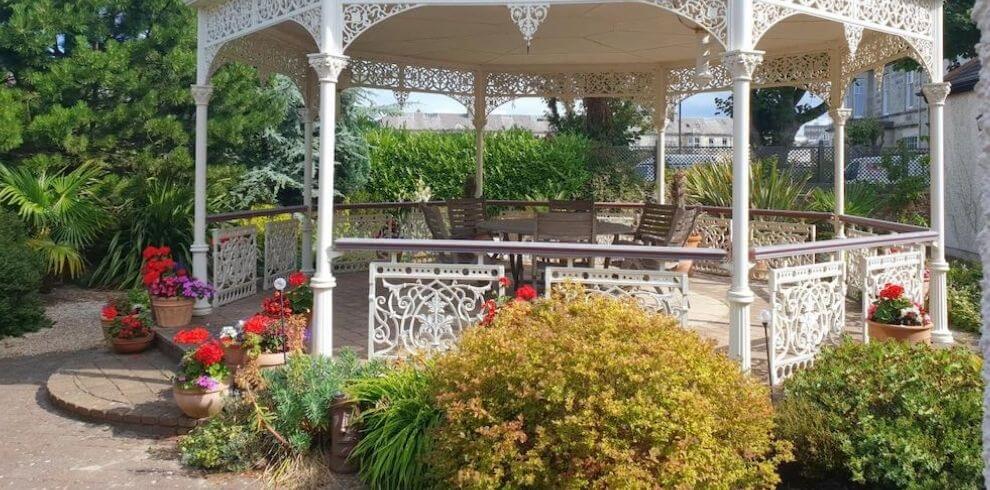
(527, 227)
(517, 228)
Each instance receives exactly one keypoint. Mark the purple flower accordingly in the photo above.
(207, 383)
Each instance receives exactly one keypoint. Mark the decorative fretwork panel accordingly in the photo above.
(716, 232)
(808, 309)
(663, 292)
(362, 223)
(423, 307)
(281, 249)
(904, 268)
(765, 233)
(359, 17)
(237, 18)
(268, 56)
(405, 77)
(911, 17)
(235, 263)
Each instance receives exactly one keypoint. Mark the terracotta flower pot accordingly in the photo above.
(132, 346)
(271, 359)
(233, 357)
(172, 312)
(901, 333)
(684, 266)
(198, 403)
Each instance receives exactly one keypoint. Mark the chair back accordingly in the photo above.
(435, 222)
(685, 221)
(565, 227)
(655, 223)
(572, 206)
(464, 216)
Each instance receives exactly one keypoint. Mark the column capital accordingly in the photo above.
(936, 93)
(328, 66)
(742, 63)
(202, 94)
(840, 115)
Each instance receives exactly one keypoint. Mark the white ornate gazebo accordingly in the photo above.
(485, 53)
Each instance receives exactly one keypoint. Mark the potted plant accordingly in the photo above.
(894, 316)
(130, 333)
(202, 378)
(135, 300)
(231, 339)
(269, 336)
(173, 292)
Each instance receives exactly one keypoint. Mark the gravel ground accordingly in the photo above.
(45, 448)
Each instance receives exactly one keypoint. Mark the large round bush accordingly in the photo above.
(21, 273)
(887, 415)
(584, 391)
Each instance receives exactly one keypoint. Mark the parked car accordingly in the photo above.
(871, 169)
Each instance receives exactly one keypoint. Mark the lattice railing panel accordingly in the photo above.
(659, 291)
(362, 223)
(416, 307)
(235, 263)
(807, 307)
(904, 268)
(281, 249)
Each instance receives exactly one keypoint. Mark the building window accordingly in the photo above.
(858, 95)
(912, 86)
(725, 141)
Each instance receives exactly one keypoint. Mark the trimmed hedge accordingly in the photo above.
(584, 391)
(887, 415)
(21, 273)
(517, 165)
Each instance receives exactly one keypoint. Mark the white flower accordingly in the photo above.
(911, 311)
(228, 333)
(279, 284)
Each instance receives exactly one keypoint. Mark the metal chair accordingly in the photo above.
(562, 228)
(464, 216)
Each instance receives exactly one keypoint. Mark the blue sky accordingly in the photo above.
(700, 105)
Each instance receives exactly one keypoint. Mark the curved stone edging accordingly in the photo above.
(129, 389)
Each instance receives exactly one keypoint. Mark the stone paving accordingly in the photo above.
(43, 447)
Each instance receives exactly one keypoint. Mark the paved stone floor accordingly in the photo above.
(43, 447)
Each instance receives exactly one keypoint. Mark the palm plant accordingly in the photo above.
(152, 212)
(861, 200)
(61, 210)
(770, 188)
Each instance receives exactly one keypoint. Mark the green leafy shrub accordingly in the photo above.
(21, 273)
(862, 199)
(770, 187)
(887, 415)
(299, 394)
(587, 391)
(964, 295)
(517, 164)
(398, 411)
(228, 442)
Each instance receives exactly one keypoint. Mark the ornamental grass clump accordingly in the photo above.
(887, 415)
(586, 391)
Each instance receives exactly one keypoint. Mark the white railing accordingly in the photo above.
(659, 291)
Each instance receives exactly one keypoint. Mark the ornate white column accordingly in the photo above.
(200, 249)
(840, 116)
(328, 68)
(660, 167)
(307, 223)
(741, 65)
(936, 93)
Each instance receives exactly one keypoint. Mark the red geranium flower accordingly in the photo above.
(526, 293)
(209, 353)
(892, 291)
(297, 279)
(109, 312)
(193, 336)
(504, 281)
(257, 324)
(276, 306)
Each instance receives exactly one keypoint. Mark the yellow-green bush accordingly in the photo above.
(584, 391)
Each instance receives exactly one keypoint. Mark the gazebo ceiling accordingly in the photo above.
(581, 34)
